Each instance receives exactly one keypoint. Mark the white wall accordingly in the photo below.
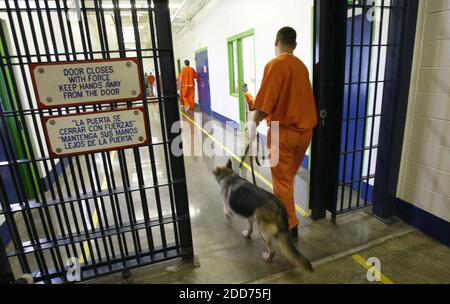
(425, 172)
(221, 19)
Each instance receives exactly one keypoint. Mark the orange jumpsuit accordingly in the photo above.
(286, 96)
(151, 81)
(187, 93)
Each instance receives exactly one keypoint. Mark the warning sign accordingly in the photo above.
(73, 134)
(63, 84)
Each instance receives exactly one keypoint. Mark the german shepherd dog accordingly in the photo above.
(262, 208)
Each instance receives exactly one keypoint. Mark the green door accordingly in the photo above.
(237, 61)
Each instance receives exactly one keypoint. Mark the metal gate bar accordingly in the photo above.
(79, 215)
(355, 181)
(357, 143)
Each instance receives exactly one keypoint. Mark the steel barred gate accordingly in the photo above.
(106, 211)
(366, 51)
(362, 52)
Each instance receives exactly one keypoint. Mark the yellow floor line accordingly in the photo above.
(299, 209)
(103, 186)
(361, 261)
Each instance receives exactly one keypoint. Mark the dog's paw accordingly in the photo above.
(267, 256)
(228, 216)
(246, 234)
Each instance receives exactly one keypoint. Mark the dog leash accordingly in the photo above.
(247, 149)
(257, 152)
(251, 164)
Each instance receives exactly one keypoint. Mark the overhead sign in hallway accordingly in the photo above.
(63, 84)
(91, 132)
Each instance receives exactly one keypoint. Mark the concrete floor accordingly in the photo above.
(407, 256)
(412, 258)
(225, 257)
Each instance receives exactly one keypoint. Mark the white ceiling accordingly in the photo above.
(182, 12)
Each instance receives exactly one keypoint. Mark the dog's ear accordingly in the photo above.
(229, 164)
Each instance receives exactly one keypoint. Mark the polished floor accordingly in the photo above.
(337, 251)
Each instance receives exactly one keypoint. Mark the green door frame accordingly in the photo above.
(240, 72)
(16, 130)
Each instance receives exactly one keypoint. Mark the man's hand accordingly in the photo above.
(251, 132)
(252, 125)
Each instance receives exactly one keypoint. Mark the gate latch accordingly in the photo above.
(323, 114)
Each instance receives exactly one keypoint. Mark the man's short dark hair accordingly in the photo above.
(287, 36)
(186, 62)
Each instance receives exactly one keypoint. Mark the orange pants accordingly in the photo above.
(187, 97)
(292, 146)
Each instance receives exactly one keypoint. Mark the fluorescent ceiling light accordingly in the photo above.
(125, 5)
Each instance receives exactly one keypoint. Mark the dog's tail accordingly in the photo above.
(291, 253)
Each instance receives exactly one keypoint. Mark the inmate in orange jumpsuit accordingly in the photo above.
(151, 81)
(250, 101)
(286, 96)
(187, 77)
